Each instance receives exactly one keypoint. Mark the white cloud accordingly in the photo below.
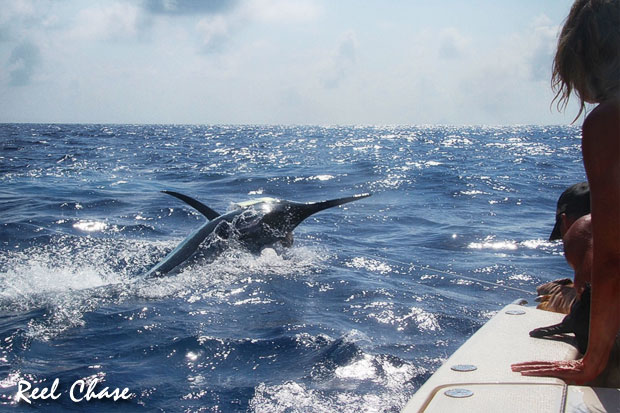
(17, 16)
(22, 63)
(542, 43)
(114, 21)
(452, 43)
(213, 31)
(342, 61)
(217, 28)
(281, 10)
(16, 10)
(269, 61)
(509, 82)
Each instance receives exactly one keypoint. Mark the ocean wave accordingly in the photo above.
(355, 316)
(345, 389)
(491, 243)
(73, 275)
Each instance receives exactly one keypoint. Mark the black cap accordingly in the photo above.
(574, 202)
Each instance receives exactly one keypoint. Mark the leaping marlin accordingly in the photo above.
(254, 224)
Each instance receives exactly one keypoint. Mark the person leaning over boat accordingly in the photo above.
(587, 62)
(573, 226)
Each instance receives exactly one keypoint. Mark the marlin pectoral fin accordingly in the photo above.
(199, 206)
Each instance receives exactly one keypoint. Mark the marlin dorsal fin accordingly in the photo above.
(199, 206)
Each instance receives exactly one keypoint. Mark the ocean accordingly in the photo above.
(370, 300)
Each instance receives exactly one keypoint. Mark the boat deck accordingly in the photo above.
(478, 378)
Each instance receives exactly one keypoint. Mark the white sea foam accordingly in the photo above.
(369, 264)
(389, 378)
(385, 313)
(73, 275)
(491, 243)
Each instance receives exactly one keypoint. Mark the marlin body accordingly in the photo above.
(254, 225)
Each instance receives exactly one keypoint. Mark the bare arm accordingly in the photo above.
(601, 158)
(601, 155)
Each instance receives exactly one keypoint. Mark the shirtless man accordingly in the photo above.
(573, 226)
(573, 223)
(578, 250)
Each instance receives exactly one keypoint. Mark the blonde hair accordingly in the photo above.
(587, 60)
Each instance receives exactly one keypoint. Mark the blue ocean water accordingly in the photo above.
(370, 300)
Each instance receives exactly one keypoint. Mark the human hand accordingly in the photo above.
(571, 371)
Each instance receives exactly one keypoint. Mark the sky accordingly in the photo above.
(319, 62)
